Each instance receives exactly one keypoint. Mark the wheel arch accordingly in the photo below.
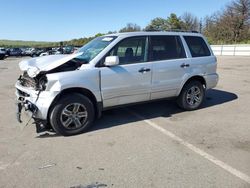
(197, 78)
(82, 91)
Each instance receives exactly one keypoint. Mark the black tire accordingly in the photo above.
(185, 99)
(59, 117)
(2, 57)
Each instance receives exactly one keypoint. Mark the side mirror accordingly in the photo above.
(111, 61)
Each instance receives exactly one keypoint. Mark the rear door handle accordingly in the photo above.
(184, 65)
(143, 70)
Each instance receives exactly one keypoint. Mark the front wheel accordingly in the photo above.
(191, 96)
(72, 115)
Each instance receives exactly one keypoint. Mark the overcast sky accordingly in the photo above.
(56, 20)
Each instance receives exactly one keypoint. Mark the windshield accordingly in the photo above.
(93, 48)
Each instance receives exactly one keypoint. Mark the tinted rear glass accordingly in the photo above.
(166, 47)
(197, 46)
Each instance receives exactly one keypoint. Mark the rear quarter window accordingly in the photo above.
(197, 46)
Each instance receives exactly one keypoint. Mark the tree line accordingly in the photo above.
(230, 25)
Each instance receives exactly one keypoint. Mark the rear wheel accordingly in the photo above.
(191, 96)
(72, 114)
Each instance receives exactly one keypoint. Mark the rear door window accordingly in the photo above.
(166, 48)
(197, 46)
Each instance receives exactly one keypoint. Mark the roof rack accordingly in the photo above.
(172, 30)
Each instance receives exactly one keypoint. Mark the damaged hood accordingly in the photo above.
(45, 63)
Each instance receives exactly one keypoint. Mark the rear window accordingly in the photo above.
(166, 47)
(197, 46)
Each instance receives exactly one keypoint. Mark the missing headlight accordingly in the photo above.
(27, 81)
(42, 83)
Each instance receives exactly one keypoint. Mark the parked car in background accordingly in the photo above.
(67, 92)
(36, 52)
(50, 52)
(58, 52)
(7, 51)
(15, 52)
(68, 49)
(27, 51)
(45, 54)
(2, 53)
(23, 51)
(46, 51)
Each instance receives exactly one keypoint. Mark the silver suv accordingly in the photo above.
(67, 92)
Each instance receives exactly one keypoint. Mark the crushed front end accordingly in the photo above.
(39, 85)
(33, 99)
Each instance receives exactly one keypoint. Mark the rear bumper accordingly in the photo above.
(211, 80)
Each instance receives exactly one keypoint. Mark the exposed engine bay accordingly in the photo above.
(39, 81)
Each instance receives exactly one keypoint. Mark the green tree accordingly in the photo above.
(161, 24)
(99, 34)
(130, 27)
(157, 24)
(174, 23)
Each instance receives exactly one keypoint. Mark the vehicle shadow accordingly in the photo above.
(163, 108)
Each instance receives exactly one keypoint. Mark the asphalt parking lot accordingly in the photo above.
(148, 145)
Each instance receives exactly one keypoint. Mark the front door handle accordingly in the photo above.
(184, 65)
(143, 70)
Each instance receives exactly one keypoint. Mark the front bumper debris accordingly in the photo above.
(41, 125)
(19, 111)
(35, 104)
(27, 106)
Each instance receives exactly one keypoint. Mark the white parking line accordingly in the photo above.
(200, 152)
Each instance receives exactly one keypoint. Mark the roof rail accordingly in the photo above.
(172, 30)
